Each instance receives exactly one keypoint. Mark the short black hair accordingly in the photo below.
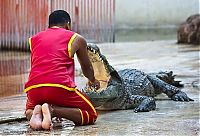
(59, 17)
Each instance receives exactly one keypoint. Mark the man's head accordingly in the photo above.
(60, 18)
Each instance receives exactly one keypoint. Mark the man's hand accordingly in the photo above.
(95, 84)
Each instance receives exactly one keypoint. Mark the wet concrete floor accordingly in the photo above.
(169, 118)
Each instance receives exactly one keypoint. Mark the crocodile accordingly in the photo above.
(129, 88)
(189, 31)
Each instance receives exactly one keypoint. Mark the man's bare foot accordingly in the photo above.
(46, 123)
(36, 118)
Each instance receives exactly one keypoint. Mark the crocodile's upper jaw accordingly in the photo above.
(101, 72)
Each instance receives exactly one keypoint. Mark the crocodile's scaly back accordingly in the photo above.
(136, 82)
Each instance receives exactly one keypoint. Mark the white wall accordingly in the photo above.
(153, 13)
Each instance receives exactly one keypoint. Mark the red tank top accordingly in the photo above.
(51, 63)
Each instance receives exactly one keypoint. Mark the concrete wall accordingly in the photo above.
(153, 13)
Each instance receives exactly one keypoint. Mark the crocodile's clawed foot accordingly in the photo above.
(181, 96)
(147, 104)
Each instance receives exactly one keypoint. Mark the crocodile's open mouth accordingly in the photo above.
(100, 66)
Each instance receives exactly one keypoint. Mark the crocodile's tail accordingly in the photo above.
(168, 77)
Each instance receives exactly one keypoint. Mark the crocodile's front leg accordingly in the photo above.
(171, 91)
(140, 103)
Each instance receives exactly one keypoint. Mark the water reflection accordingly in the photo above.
(14, 68)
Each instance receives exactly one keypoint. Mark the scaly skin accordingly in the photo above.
(129, 88)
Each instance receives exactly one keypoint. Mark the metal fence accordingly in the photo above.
(94, 19)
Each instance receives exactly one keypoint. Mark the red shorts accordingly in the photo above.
(61, 97)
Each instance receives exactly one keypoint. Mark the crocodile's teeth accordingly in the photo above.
(99, 57)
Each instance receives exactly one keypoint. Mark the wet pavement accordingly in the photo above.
(169, 118)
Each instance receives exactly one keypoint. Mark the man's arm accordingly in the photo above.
(79, 46)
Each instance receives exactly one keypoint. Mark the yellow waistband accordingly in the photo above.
(50, 85)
